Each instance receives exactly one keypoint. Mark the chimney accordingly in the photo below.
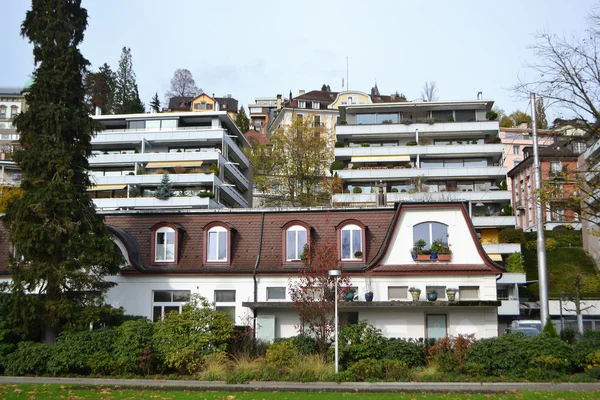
(301, 92)
(228, 96)
(279, 102)
(479, 95)
(98, 111)
(217, 108)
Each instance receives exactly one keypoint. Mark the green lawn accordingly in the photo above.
(68, 392)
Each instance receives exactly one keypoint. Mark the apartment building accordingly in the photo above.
(263, 111)
(429, 152)
(558, 168)
(201, 152)
(589, 167)
(204, 103)
(12, 102)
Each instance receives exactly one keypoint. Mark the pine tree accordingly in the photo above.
(164, 191)
(65, 247)
(126, 96)
(155, 103)
(241, 120)
(99, 89)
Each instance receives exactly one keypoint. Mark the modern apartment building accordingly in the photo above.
(12, 102)
(201, 152)
(429, 152)
(263, 111)
(589, 166)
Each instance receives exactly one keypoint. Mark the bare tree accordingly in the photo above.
(182, 85)
(429, 92)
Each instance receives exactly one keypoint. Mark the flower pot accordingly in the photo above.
(422, 257)
(432, 296)
(451, 296)
(414, 256)
(444, 257)
(369, 296)
(415, 295)
(349, 296)
(433, 255)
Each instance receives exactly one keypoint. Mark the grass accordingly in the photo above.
(56, 391)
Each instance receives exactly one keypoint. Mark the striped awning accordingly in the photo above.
(172, 164)
(495, 257)
(105, 187)
(395, 158)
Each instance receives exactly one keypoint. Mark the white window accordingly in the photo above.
(2, 111)
(276, 293)
(555, 167)
(164, 245)
(468, 293)
(578, 147)
(165, 301)
(301, 104)
(515, 149)
(296, 239)
(225, 302)
(430, 232)
(217, 244)
(352, 242)
(397, 292)
(316, 105)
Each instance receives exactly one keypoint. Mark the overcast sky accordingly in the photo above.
(261, 48)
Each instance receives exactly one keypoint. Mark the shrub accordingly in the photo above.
(244, 369)
(131, 339)
(339, 145)
(282, 354)
(551, 244)
(542, 345)
(336, 166)
(360, 341)
(593, 367)
(215, 367)
(549, 329)
(395, 370)
(411, 143)
(387, 122)
(365, 145)
(83, 353)
(214, 169)
(310, 368)
(408, 165)
(514, 263)
(343, 122)
(491, 115)
(206, 194)
(367, 368)
(589, 343)
(394, 190)
(448, 353)
(5, 350)
(496, 357)
(408, 352)
(305, 344)
(390, 166)
(29, 359)
(356, 189)
(511, 235)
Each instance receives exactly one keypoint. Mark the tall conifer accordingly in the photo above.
(64, 247)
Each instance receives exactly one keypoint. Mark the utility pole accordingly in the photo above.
(541, 243)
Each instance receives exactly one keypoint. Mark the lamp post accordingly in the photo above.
(335, 273)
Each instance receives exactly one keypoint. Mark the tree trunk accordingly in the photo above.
(50, 334)
(580, 323)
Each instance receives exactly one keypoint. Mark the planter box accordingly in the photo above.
(427, 257)
(444, 257)
(423, 257)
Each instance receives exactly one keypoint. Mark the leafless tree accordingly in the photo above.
(182, 85)
(429, 92)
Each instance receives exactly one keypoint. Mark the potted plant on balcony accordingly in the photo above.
(451, 293)
(418, 251)
(358, 255)
(432, 294)
(415, 293)
(368, 286)
(440, 251)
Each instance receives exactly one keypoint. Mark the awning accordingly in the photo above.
(106, 187)
(495, 257)
(172, 164)
(396, 158)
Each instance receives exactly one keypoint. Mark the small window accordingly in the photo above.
(165, 301)
(2, 111)
(227, 310)
(296, 240)
(397, 293)
(468, 293)
(555, 167)
(351, 240)
(516, 149)
(436, 326)
(217, 244)
(276, 293)
(301, 104)
(316, 105)
(164, 245)
(13, 111)
(224, 106)
(224, 296)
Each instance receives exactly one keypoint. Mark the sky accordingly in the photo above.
(263, 48)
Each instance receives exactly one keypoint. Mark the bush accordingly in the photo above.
(336, 166)
(206, 194)
(514, 263)
(496, 357)
(593, 367)
(356, 190)
(5, 350)
(408, 352)
(310, 368)
(244, 369)
(339, 145)
(360, 341)
(491, 115)
(215, 367)
(367, 368)
(305, 345)
(589, 343)
(411, 143)
(30, 358)
(365, 145)
(282, 354)
(549, 329)
(448, 353)
(395, 370)
(511, 235)
(394, 190)
(131, 339)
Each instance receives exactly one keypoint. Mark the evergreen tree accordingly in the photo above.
(165, 189)
(540, 122)
(241, 120)
(325, 88)
(99, 89)
(155, 103)
(64, 245)
(126, 96)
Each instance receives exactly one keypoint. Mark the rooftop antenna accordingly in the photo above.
(347, 80)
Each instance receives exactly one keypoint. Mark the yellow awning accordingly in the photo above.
(106, 187)
(396, 158)
(495, 257)
(172, 164)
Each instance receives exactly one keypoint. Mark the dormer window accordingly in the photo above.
(217, 241)
(351, 240)
(296, 240)
(224, 106)
(164, 245)
(430, 232)
(301, 104)
(316, 105)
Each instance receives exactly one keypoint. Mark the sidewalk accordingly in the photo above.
(388, 387)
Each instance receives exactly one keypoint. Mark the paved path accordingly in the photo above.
(309, 387)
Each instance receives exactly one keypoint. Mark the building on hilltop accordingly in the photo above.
(204, 103)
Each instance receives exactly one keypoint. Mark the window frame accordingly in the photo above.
(271, 298)
(431, 236)
(218, 227)
(226, 307)
(284, 231)
(345, 225)
(172, 303)
(164, 227)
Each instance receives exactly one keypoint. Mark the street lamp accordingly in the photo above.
(336, 273)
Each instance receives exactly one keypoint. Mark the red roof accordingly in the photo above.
(255, 135)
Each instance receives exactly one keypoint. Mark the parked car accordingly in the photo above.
(526, 331)
(527, 323)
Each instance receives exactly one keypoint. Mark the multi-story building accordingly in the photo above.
(558, 168)
(201, 152)
(430, 152)
(204, 103)
(12, 102)
(589, 168)
(263, 111)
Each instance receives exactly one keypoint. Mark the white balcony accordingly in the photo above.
(489, 195)
(154, 179)
(385, 130)
(494, 221)
(455, 149)
(407, 173)
(151, 202)
(509, 307)
(502, 248)
(130, 159)
(174, 135)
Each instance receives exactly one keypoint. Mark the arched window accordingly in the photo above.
(296, 240)
(165, 242)
(429, 232)
(351, 242)
(217, 239)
